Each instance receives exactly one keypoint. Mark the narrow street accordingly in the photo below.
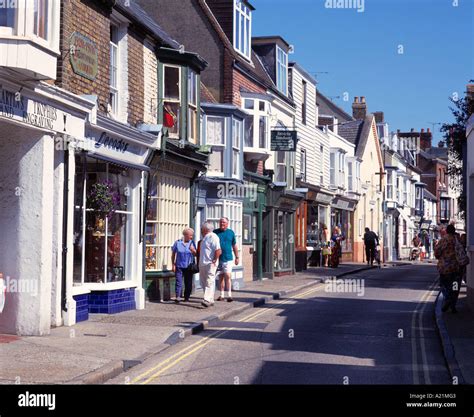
(381, 333)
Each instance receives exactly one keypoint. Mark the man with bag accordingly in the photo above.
(451, 259)
(371, 241)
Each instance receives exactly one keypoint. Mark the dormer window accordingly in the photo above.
(282, 70)
(242, 28)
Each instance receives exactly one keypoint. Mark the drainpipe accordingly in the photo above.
(65, 227)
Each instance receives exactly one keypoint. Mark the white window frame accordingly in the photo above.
(281, 64)
(173, 100)
(303, 165)
(256, 113)
(114, 63)
(231, 209)
(173, 204)
(192, 106)
(332, 168)
(220, 146)
(237, 134)
(242, 36)
(350, 175)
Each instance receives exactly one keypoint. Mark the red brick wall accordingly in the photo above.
(92, 19)
(239, 81)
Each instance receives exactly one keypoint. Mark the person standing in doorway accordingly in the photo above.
(226, 261)
(371, 241)
(209, 251)
(182, 256)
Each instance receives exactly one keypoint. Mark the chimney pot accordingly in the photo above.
(356, 99)
(362, 99)
(422, 130)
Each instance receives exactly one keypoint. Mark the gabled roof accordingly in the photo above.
(133, 10)
(327, 108)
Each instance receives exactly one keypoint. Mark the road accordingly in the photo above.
(378, 330)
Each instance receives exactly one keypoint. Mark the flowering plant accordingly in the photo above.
(103, 198)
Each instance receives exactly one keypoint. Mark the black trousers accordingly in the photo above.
(370, 253)
(450, 286)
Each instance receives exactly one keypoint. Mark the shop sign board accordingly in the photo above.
(18, 107)
(284, 140)
(84, 56)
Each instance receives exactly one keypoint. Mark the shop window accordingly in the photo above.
(192, 106)
(282, 70)
(102, 240)
(230, 209)
(247, 229)
(281, 244)
(242, 28)
(166, 218)
(172, 99)
(215, 137)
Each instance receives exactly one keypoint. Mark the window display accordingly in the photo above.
(101, 221)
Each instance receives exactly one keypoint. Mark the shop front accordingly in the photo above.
(110, 171)
(279, 231)
(37, 124)
(318, 226)
(342, 216)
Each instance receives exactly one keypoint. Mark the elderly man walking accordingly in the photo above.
(228, 245)
(209, 251)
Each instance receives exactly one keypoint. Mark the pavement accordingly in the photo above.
(376, 326)
(107, 345)
(457, 333)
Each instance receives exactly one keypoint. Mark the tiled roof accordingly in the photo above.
(327, 107)
(131, 8)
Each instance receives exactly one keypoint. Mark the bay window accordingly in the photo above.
(389, 184)
(242, 28)
(332, 169)
(40, 22)
(172, 99)
(282, 70)
(303, 164)
(280, 169)
(8, 15)
(350, 176)
(192, 106)
(215, 136)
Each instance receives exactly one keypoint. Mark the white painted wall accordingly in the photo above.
(26, 222)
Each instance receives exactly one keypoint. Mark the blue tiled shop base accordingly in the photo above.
(82, 307)
(112, 302)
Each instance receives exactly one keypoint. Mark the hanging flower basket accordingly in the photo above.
(103, 198)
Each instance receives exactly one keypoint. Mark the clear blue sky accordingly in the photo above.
(359, 52)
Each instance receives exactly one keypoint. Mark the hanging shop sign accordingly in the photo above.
(18, 107)
(284, 140)
(84, 56)
(323, 198)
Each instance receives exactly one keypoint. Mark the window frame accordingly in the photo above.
(237, 128)
(281, 63)
(173, 101)
(114, 87)
(242, 37)
(193, 107)
(257, 116)
(221, 146)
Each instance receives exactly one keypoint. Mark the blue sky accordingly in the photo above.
(359, 50)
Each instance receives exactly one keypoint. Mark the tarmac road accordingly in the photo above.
(374, 327)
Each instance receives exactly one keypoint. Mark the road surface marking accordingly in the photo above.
(186, 352)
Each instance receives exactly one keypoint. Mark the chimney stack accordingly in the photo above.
(379, 117)
(425, 139)
(359, 108)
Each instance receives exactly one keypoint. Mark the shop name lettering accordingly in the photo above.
(108, 142)
(13, 104)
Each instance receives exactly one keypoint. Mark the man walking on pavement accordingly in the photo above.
(371, 240)
(228, 245)
(209, 251)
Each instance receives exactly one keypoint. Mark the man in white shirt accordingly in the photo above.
(209, 251)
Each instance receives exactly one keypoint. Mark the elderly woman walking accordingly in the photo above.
(182, 259)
